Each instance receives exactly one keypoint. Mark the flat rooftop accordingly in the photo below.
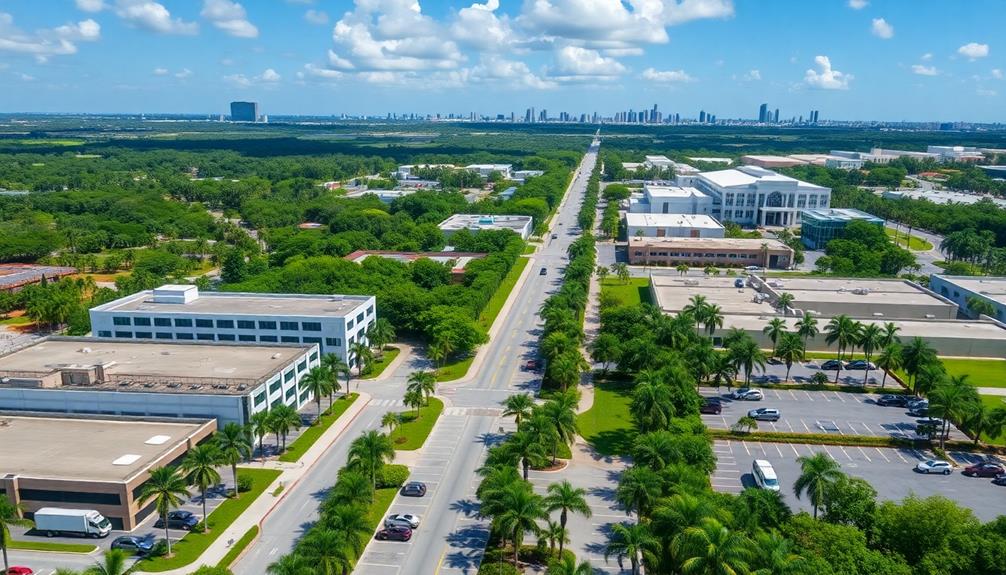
(655, 191)
(909, 328)
(710, 243)
(459, 259)
(752, 176)
(16, 275)
(671, 220)
(839, 215)
(480, 221)
(152, 366)
(236, 303)
(993, 288)
(86, 449)
(674, 293)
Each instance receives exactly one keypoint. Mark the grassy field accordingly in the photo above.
(994, 401)
(914, 242)
(189, 548)
(238, 547)
(19, 320)
(530, 249)
(52, 547)
(299, 447)
(414, 430)
(492, 309)
(981, 372)
(377, 367)
(607, 425)
(636, 291)
(455, 369)
(382, 501)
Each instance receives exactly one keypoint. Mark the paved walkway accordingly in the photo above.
(992, 391)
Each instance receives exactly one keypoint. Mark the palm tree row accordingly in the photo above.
(541, 429)
(279, 420)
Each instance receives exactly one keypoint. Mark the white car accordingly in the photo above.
(935, 466)
(402, 519)
(764, 414)
(749, 394)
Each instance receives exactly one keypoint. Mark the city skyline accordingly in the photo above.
(873, 60)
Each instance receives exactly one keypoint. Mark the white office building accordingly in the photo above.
(181, 313)
(520, 225)
(656, 199)
(485, 170)
(524, 175)
(672, 226)
(755, 196)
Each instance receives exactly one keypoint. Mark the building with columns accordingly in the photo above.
(755, 196)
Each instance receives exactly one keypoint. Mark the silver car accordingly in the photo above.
(749, 394)
(402, 520)
(935, 466)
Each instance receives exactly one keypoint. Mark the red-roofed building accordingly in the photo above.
(458, 260)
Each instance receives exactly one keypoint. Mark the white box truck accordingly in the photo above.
(81, 522)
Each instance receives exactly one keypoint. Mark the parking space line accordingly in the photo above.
(839, 396)
(793, 447)
(793, 395)
(849, 457)
(744, 443)
(805, 426)
(809, 397)
(903, 459)
(864, 454)
(779, 449)
(828, 451)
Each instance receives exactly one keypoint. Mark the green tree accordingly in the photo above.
(745, 424)
(551, 534)
(621, 271)
(638, 490)
(605, 349)
(806, 326)
(233, 444)
(790, 350)
(817, 473)
(952, 400)
(200, 469)
(113, 562)
(284, 419)
(682, 269)
(260, 425)
(381, 334)
(390, 420)
(362, 355)
(630, 542)
(712, 549)
(292, 564)
(850, 501)
(349, 521)
(889, 360)
(518, 406)
(327, 551)
(979, 306)
(560, 412)
(871, 337)
(566, 499)
(567, 565)
(984, 419)
(167, 490)
(319, 382)
(370, 452)
(425, 382)
(914, 356)
(336, 367)
(413, 398)
(784, 301)
(842, 332)
(602, 273)
(10, 516)
(651, 407)
(746, 355)
(521, 509)
(776, 555)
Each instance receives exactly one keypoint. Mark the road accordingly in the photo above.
(451, 538)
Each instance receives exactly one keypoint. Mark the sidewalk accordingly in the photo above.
(992, 391)
(291, 474)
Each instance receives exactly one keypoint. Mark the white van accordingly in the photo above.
(764, 475)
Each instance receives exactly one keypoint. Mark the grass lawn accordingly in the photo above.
(492, 309)
(981, 372)
(530, 249)
(189, 548)
(299, 447)
(607, 425)
(914, 243)
(636, 291)
(19, 320)
(238, 547)
(376, 367)
(455, 369)
(414, 430)
(382, 501)
(52, 547)
(994, 401)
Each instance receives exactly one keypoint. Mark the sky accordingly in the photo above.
(913, 60)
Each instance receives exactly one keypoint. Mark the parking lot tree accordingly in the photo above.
(605, 350)
(890, 335)
(701, 359)
(914, 356)
(167, 490)
(817, 473)
(712, 548)
(10, 516)
(112, 562)
(567, 565)
(850, 501)
(319, 382)
(985, 419)
(518, 406)
(774, 330)
(746, 424)
(291, 564)
(723, 371)
(712, 318)
(566, 499)
(638, 490)
(200, 469)
(952, 400)
(234, 445)
(871, 338)
(889, 360)
(632, 541)
(843, 332)
(819, 378)
(833, 549)
(682, 269)
(369, 452)
(790, 350)
(746, 356)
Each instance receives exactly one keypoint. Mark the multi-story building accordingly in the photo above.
(670, 200)
(701, 252)
(520, 225)
(181, 313)
(672, 226)
(244, 111)
(818, 227)
(754, 196)
(966, 290)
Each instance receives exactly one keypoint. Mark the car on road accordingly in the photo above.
(984, 469)
(396, 533)
(1000, 480)
(752, 268)
(860, 364)
(711, 405)
(134, 544)
(180, 519)
(407, 519)
(532, 365)
(749, 394)
(543, 271)
(833, 364)
(765, 414)
(555, 236)
(19, 570)
(934, 466)
(891, 400)
(413, 489)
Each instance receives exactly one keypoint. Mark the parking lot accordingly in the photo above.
(821, 412)
(890, 471)
(775, 372)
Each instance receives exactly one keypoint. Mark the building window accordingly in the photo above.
(359, 318)
(333, 341)
(109, 334)
(144, 321)
(274, 386)
(311, 326)
(289, 326)
(259, 398)
(70, 497)
(184, 336)
(244, 337)
(269, 338)
(314, 356)
(124, 334)
(144, 335)
(164, 335)
(370, 310)
(350, 324)
(290, 339)
(120, 320)
(311, 339)
(288, 376)
(225, 324)
(225, 337)
(291, 392)
(183, 322)
(305, 395)
(302, 366)
(204, 323)
(204, 336)
(162, 321)
(246, 324)
(267, 325)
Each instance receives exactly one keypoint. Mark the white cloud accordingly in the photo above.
(160, 71)
(574, 63)
(479, 26)
(997, 73)
(183, 73)
(238, 80)
(926, 57)
(922, 70)
(752, 76)
(318, 17)
(974, 50)
(230, 17)
(881, 29)
(91, 5)
(43, 43)
(510, 73)
(153, 16)
(85, 30)
(27, 77)
(858, 4)
(320, 72)
(269, 75)
(667, 76)
(828, 78)
(985, 92)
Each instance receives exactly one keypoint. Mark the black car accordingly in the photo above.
(1000, 480)
(832, 364)
(133, 544)
(394, 533)
(543, 271)
(413, 489)
(711, 405)
(179, 520)
(892, 400)
(860, 364)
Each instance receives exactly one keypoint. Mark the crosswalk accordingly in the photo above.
(387, 403)
(452, 411)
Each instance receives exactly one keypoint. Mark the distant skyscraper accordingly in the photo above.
(543, 115)
(244, 111)
(775, 117)
(654, 114)
(763, 113)
(702, 117)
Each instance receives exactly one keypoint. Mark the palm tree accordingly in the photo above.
(551, 533)
(381, 334)
(390, 420)
(602, 272)
(711, 549)
(682, 269)
(952, 400)
(870, 339)
(200, 469)
(889, 360)
(362, 355)
(695, 308)
(527, 448)
(291, 564)
(284, 420)
(746, 355)
(567, 565)
(775, 554)
(413, 398)
(352, 487)
(987, 420)
(234, 446)
(631, 541)
(519, 406)
(638, 490)
(914, 356)
(605, 349)
(652, 403)
(775, 328)
(319, 382)
(327, 551)
(349, 521)
(166, 488)
(723, 370)
(817, 473)
(370, 452)
(841, 330)
(890, 334)
(806, 326)
(560, 412)
(790, 350)
(114, 562)
(784, 301)
(712, 318)
(566, 369)
(336, 367)
(522, 508)
(260, 426)
(565, 498)
(423, 381)
(10, 516)
(745, 424)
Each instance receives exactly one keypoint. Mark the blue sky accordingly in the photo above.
(851, 59)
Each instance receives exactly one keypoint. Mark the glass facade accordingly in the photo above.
(818, 227)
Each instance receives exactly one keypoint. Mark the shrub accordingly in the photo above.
(159, 549)
(199, 527)
(392, 476)
(244, 483)
(208, 570)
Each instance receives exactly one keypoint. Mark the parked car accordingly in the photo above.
(891, 400)
(711, 405)
(934, 466)
(919, 411)
(913, 402)
(542, 271)
(133, 544)
(19, 570)
(984, 469)
(178, 520)
(765, 414)
(999, 480)
(532, 365)
(413, 489)
(752, 268)
(407, 519)
(860, 364)
(833, 364)
(738, 283)
(555, 236)
(934, 421)
(749, 394)
(396, 533)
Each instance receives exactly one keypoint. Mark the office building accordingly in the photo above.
(84, 463)
(964, 290)
(752, 196)
(520, 225)
(769, 161)
(672, 226)
(386, 196)
(702, 117)
(701, 252)
(957, 153)
(226, 382)
(524, 175)
(670, 200)
(820, 226)
(14, 277)
(485, 170)
(244, 111)
(181, 313)
(763, 113)
(775, 117)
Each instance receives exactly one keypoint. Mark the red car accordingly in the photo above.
(711, 406)
(19, 570)
(532, 365)
(986, 469)
(394, 533)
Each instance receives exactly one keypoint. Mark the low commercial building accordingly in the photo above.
(183, 313)
(14, 277)
(769, 161)
(407, 172)
(828, 297)
(520, 225)
(829, 161)
(524, 175)
(963, 290)
(863, 157)
(457, 260)
(701, 252)
(485, 170)
(957, 153)
(711, 160)
(672, 226)
(753, 196)
(656, 199)
(226, 382)
(386, 196)
(81, 463)
(820, 226)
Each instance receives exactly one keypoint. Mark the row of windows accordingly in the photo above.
(329, 341)
(53, 496)
(698, 255)
(220, 323)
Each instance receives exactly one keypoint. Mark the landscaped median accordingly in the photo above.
(299, 447)
(812, 438)
(238, 548)
(415, 427)
(51, 547)
(376, 368)
(607, 425)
